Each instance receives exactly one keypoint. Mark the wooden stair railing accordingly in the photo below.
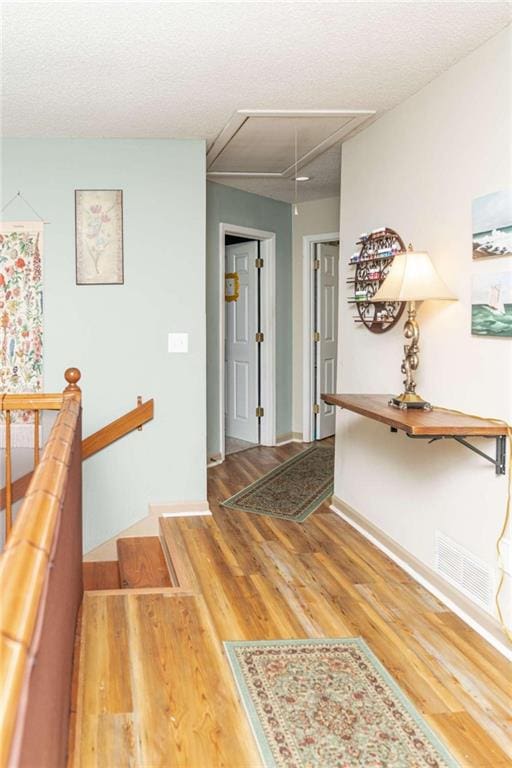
(134, 419)
(12, 492)
(41, 590)
(116, 429)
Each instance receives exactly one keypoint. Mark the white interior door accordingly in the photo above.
(327, 341)
(241, 346)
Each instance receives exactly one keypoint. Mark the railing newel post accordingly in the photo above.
(72, 376)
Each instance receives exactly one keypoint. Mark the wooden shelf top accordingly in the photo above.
(416, 422)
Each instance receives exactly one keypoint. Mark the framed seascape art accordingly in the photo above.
(99, 236)
(491, 304)
(492, 225)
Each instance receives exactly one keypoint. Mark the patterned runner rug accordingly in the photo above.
(293, 490)
(330, 704)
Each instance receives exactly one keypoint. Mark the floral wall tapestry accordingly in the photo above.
(21, 319)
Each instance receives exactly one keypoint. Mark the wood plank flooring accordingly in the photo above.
(142, 563)
(155, 688)
(101, 575)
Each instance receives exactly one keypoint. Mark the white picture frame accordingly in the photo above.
(99, 236)
(492, 225)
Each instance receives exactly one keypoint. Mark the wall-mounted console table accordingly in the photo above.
(428, 425)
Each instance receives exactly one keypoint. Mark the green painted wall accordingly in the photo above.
(117, 335)
(233, 206)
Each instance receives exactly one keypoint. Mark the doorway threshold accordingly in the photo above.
(234, 445)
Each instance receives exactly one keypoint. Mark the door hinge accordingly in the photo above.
(259, 263)
(260, 337)
(316, 264)
(316, 336)
(259, 412)
(316, 408)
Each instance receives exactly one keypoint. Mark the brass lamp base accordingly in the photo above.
(410, 400)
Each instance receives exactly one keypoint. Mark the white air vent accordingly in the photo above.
(466, 572)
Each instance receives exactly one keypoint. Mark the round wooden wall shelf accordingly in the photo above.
(372, 263)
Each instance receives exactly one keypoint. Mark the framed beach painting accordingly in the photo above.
(491, 304)
(492, 225)
(99, 236)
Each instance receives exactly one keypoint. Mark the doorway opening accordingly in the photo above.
(320, 333)
(242, 346)
(247, 338)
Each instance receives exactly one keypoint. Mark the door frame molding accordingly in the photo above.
(308, 244)
(268, 322)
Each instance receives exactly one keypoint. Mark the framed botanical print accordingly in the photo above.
(99, 236)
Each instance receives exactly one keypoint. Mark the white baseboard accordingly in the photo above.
(147, 526)
(180, 509)
(289, 437)
(483, 623)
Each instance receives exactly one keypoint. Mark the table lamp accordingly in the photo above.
(411, 278)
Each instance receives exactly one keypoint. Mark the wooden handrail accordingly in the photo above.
(28, 402)
(25, 567)
(104, 437)
(38, 401)
(117, 429)
(31, 402)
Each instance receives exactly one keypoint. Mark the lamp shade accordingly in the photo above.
(412, 277)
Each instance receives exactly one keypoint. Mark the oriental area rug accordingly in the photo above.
(330, 703)
(293, 490)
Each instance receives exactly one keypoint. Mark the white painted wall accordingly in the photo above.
(417, 170)
(117, 334)
(315, 218)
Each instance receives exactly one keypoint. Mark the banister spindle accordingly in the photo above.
(8, 473)
(36, 438)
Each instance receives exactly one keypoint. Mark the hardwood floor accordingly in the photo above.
(102, 575)
(142, 563)
(155, 688)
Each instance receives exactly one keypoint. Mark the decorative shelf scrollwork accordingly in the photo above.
(372, 263)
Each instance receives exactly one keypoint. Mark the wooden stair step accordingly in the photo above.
(101, 575)
(142, 563)
(176, 554)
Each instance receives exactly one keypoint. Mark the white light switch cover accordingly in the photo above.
(178, 342)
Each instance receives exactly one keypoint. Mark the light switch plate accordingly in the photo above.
(177, 342)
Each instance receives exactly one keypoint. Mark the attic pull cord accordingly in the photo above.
(24, 200)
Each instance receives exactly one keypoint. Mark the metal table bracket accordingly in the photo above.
(500, 462)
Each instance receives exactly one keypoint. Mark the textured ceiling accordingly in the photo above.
(274, 138)
(180, 69)
(324, 173)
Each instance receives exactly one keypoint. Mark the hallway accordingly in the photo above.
(155, 688)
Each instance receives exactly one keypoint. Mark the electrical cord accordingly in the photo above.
(506, 519)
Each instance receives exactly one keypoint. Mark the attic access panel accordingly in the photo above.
(262, 142)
